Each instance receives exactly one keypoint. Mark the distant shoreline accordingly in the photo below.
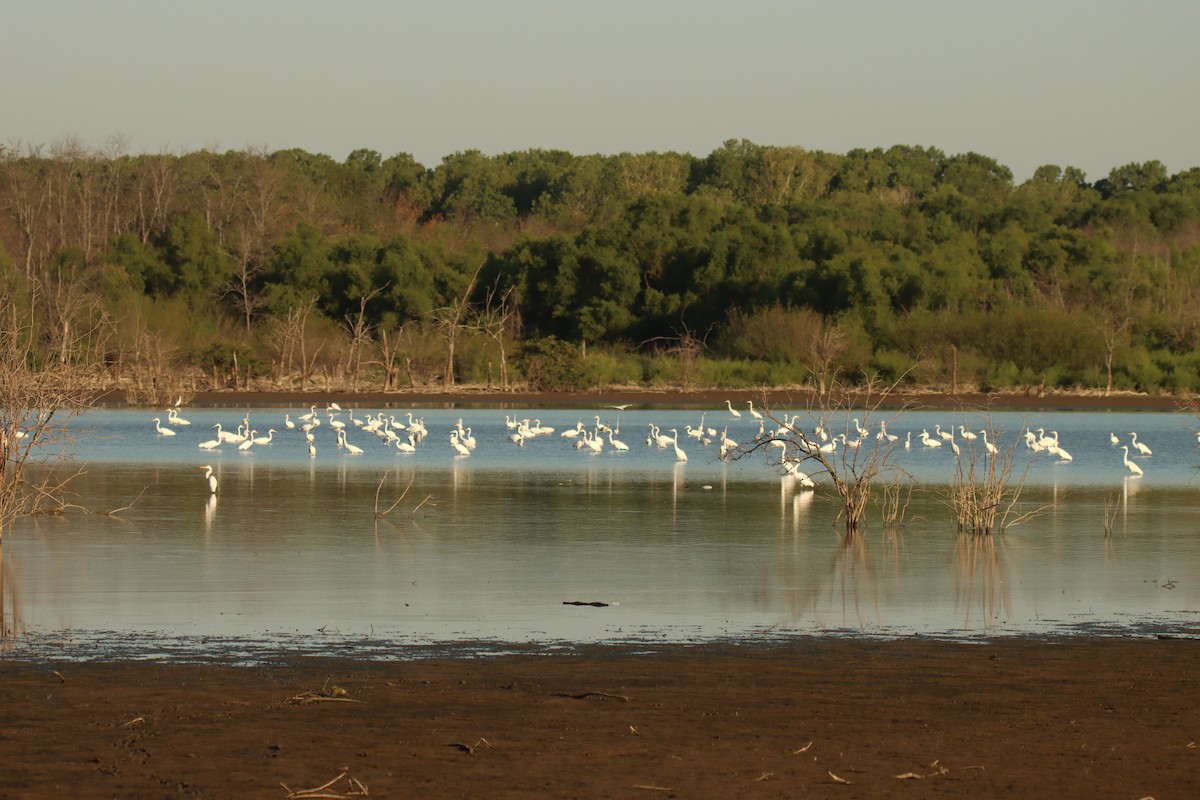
(766, 399)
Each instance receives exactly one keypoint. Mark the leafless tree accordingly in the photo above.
(453, 319)
(828, 345)
(391, 344)
(290, 339)
(40, 389)
(493, 321)
(360, 335)
(854, 466)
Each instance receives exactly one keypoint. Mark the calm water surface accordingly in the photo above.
(290, 554)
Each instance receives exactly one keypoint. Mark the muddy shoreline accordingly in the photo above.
(820, 718)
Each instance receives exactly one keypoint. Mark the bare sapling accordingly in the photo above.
(41, 388)
(1112, 505)
(834, 439)
(985, 486)
(894, 500)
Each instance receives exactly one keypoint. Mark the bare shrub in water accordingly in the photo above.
(854, 466)
(44, 380)
(985, 486)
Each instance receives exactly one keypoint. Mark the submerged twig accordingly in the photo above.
(400, 499)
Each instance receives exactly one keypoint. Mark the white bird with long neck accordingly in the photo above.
(208, 476)
(1140, 446)
(1132, 467)
(679, 454)
(161, 430)
(353, 450)
(458, 446)
(732, 410)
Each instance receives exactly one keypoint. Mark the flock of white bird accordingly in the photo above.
(792, 442)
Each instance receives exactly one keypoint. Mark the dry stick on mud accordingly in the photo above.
(862, 458)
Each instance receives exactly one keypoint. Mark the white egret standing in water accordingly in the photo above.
(212, 479)
(1134, 468)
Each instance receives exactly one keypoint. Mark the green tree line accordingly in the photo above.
(751, 265)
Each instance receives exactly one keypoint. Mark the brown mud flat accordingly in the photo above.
(767, 398)
(1083, 717)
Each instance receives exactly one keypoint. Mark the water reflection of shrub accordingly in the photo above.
(979, 578)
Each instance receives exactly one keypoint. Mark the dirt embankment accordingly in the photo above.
(840, 719)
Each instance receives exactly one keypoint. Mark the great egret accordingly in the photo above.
(1140, 446)
(266, 439)
(927, 441)
(406, 447)
(732, 410)
(966, 434)
(1132, 467)
(458, 446)
(1112, 438)
(225, 436)
(792, 468)
(161, 430)
(661, 438)
(616, 443)
(991, 448)
(287, 422)
(753, 413)
(679, 454)
(173, 418)
(353, 450)
(248, 443)
(212, 479)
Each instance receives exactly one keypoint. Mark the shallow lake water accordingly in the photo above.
(290, 554)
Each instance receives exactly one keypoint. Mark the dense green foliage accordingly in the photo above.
(751, 265)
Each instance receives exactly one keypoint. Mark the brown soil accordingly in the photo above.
(1073, 718)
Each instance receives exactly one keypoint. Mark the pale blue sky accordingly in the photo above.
(1088, 84)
